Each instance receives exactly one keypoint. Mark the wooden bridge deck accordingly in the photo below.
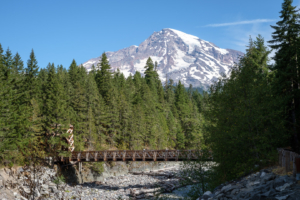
(130, 155)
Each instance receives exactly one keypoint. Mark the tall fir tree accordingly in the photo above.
(103, 77)
(54, 117)
(286, 43)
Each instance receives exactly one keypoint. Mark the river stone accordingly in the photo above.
(279, 182)
(281, 188)
(226, 188)
(282, 197)
(263, 174)
(234, 191)
(219, 195)
(268, 177)
(45, 187)
(289, 179)
(45, 192)
(37, 193)
(206, 195)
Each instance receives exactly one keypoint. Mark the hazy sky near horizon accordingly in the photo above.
(60, 31)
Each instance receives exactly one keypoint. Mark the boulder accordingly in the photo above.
(206, 195)
(281, 188)
(268, 177)
(279, 182)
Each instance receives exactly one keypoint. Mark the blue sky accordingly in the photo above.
(59, 31)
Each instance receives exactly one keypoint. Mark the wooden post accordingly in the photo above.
(79, 167)
(96, 154)
(297, 163)
(114, 156)
(133, 156)
(287, 161)
(154, 155)
(283, 158)
(280, 157)
(166, 155)
(294, 163)
(105, 156)
(144, 155)
(124, 156)
(87, 156)
(78, 157)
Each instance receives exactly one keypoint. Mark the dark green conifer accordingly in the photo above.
(286, 43)
(103, 77)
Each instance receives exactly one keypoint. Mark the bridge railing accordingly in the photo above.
(133, 155)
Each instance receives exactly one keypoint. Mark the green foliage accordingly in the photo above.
(286, 69)
(97, 167)
(198, 173)
(107, 110)
(242, 127)
(59, 180)
(103, 77)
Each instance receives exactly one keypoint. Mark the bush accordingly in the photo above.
(199, 174)
(97, 167)
(59, 180)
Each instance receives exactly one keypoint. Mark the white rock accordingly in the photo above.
(45, 187)
(37, 193)
(207, 193)
(262, 174)
(225, 187)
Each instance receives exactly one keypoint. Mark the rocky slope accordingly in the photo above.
(180, 56)
(257, 186)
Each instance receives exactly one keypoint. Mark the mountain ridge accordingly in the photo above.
(180, 56)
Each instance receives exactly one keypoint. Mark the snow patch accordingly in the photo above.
(190, 40)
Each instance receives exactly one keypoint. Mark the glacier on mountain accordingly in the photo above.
(180, 56)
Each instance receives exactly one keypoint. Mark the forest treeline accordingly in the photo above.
(256, 109)
(107, 110)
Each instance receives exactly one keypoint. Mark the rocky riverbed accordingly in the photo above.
(263, 185)
(44, 184)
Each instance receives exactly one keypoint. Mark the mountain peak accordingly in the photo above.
(180, 56)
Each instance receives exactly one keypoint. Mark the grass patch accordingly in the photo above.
(96, 167)
(281, 171)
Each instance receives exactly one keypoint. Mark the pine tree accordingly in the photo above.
(30, 75)
(242, 127)
(103, 77)
(95, 106)
(8, 59)
(151, 75)
(78, 102)
(3, 90)
(54, 116)
(73, 73)
(21, 120)
(17, 65)
(286, 42)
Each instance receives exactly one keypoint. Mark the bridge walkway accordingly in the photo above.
(131, 155)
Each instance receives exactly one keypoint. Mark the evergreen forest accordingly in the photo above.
(242, 119)
(107, 110)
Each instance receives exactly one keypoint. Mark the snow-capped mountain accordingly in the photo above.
(180, 56)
